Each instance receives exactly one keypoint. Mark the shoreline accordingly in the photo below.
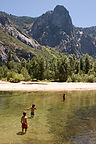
(46, 86)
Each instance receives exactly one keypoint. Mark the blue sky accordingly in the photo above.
(82, 12)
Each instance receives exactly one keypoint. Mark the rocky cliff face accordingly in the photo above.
(79, 44)
(8, 27)
(7, 31)
(52, 27)
(55, 29)
(86, 40)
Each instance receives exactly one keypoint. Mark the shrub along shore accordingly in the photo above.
(61, 69)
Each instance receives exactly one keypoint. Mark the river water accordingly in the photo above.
(55, 122)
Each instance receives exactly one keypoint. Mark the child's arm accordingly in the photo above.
(21, 119)
(27, 108)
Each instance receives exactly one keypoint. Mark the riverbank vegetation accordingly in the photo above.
(64, 69)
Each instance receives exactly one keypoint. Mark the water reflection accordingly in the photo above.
(73, 118)
(55, 121)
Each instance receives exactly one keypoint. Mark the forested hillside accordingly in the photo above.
(48, 47)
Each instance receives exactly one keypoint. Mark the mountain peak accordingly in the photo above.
(52, 25)
(62, 19)
(60, 9)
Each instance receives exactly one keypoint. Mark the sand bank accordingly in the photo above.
(46, 86)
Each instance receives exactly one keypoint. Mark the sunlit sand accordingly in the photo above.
(46, 86)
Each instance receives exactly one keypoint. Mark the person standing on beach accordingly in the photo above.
(64, 96)
(32, 108)
(24, 122)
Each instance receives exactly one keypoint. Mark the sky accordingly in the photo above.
(82, 12)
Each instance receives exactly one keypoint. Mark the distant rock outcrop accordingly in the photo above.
(8, 27)
(52, 27)
(55, 29)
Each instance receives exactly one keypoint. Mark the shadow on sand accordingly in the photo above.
(20, 133)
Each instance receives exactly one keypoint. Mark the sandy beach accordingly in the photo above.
(46, 86)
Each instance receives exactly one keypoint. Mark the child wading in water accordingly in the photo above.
(24, 122)
(64, 96)
(32, 108)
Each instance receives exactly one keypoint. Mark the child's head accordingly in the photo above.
(24, 113)
(33, 105)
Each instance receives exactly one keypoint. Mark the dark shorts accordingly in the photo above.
(32, 113)
(24, 125)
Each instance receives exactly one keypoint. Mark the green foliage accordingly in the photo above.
(94, 67)
(25, 74)
(72, 62)
(14, 66)
(69, 79)
(77, 67)
(76, 78)
(91, 72)
(9, 56)
(94, 79)
(87, 63)
(23, 62)
(48, 75)
(65, 69)
(10, 64)
(3, 71)
(89, 78)
(4, 79)
(14, 77)
(81, 64)
(37, 68)
(50, 51)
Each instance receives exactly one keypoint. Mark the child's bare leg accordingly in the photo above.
(22, 130)
(25, 130)
(32, 116)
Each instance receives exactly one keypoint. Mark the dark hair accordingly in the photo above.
(33, 105)
(24, 113)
